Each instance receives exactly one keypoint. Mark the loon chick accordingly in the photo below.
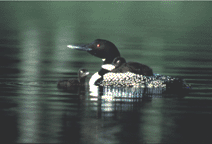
(80, 81)
(119, 65)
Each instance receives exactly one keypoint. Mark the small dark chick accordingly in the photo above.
(80, 81)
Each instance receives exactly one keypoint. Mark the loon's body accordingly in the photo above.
(80, 81)
(108, 52)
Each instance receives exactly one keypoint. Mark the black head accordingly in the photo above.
(100, 48)
(118, 61)
(82, 73)
(103, 49)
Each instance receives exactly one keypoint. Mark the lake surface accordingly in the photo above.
(173, 38)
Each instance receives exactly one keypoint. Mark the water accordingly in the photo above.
(173, 38)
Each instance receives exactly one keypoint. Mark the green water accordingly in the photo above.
(173, 38)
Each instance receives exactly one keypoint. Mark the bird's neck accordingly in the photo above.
(81, 80)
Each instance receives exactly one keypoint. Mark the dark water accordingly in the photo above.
(174, 38)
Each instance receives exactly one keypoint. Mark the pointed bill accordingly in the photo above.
(82, 48)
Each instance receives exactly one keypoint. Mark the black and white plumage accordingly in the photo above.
(129, 79)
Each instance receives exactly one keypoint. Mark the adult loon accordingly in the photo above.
(119, 65)
(80, 81)
(108, 52)
(103, 49)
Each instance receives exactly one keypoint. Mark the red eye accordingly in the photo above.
(98, 45)
(118, 61)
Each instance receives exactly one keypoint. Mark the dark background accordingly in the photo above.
(173, 38)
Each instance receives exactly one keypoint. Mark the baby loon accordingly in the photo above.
(103, 49)
(80, 81)
(119, 65)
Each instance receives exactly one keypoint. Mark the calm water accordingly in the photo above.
(174, 38)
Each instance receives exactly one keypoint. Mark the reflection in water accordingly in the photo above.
(116, 100)
(119, 99)
(113, 100)
(28, 114)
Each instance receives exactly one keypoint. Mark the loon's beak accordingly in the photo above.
(82, 48)
(108, 67)
(87, 73)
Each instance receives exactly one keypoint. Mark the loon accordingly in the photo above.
(119, 65)
(144, 76)
(107, 51)
(80, 81)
